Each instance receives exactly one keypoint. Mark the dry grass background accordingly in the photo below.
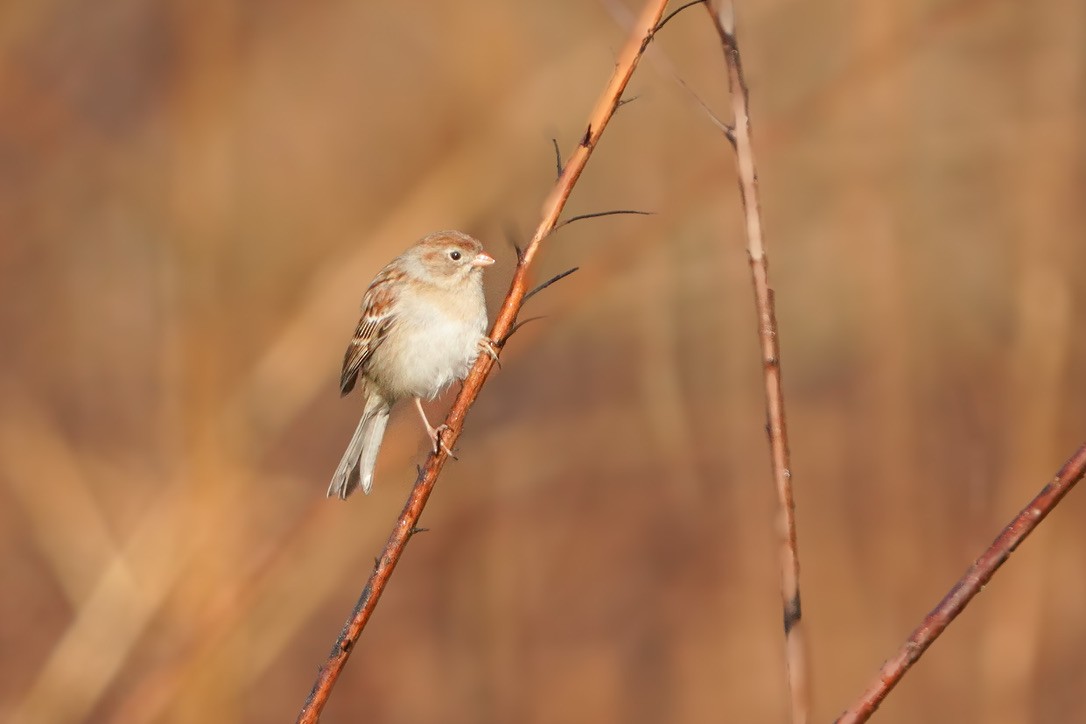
(194, 195)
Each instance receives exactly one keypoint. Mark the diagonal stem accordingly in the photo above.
(968, 586)
(605, 107)
(723, 16)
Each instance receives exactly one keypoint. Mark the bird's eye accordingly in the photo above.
(454, 255)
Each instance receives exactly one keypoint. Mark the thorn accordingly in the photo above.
(544, 285)
(673, 13)
(624, 101)
(512, 233)
(416, 529)
(598, 214)
(557, 158)
(586, 141)
(518, 325)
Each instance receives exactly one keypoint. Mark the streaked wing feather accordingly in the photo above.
(371, 331)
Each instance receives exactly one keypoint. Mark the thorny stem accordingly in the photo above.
(638, 42)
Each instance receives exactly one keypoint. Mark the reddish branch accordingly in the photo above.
(723, 16)
(640, 38)
(966, 588)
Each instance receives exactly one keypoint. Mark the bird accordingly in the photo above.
(423, 324)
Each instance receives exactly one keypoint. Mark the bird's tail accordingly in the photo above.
(358, 462)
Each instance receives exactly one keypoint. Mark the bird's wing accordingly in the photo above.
(373, 327)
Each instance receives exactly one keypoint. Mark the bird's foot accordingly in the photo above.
(436, 442)
(486, 346)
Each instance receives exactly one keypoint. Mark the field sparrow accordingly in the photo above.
(423, 324)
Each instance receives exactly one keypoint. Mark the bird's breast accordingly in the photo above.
(431, 346)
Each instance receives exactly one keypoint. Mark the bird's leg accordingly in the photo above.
(487, 347)
(433, 432)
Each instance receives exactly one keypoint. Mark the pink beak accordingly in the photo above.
(483, 259)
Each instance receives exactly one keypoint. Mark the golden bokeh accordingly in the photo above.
(194, 195)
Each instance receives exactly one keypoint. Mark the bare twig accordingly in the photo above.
(723, 16)
(968, 586)
(605, 107)
(723, 127)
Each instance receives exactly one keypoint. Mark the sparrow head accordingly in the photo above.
(448, 257)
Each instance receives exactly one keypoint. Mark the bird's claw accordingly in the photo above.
(486, 346)
(437, 442)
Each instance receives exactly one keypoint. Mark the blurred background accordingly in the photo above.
(194, 195)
